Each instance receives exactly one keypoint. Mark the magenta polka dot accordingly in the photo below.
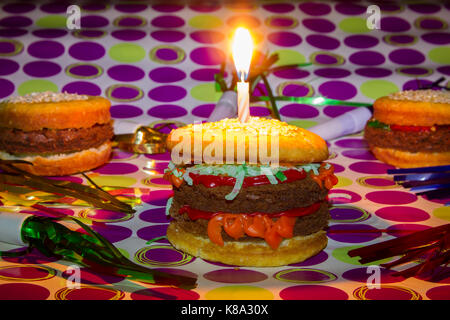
(362, 275)
(284, 38)
(130, 8)
(152, 232)
(156, 215)
(205, 6)
(367, 58)
(168, 21)
(167, 111)
(406, 56)
(425, 8)
(41, 69)
(93, 21)
(391, 197)
(291, 73)
(353, 232)
(169, 7)
(49, 33)
(15, 22)
(164, 293)
(361, 41)
(129, 34)
(296, 110)
(235, 276)
(332, 73)
(205, 74)
(203, 111)
(352, 143)
(314, 8)
(360, 154)
(340, 90)
(402, 214)
(123, 111)
(394, 24)
(379, 182)
(351, 9)
(439, 38)
(82, 87)
(167, 93)
(400, 230)
(126, 73)
(415, 84)
(295, 90)
(279, 7)
(55, 7)
(18, 7)
(167, 35)
(125, 93)
(46, 49)
(23, 291)
(34, 257)
(259, 111)
(348, 213)
(444, 70)
(323, 42)
(319, 25)
(304, 275)
(399, 39)
(335, 111)
(439, 293)
(117, 168)
(373, 72)
(317, 259)
(370, 167)
(207, 56)
(86, 51)
(441, 200)
(8, 66)
(390, 293)
(207, 36)
(167, 75)
(11, 33)
(313, 292)
(157, 197)
(337, 167)
(340, 196)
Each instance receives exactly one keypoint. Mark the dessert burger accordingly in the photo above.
(58, 133)
(411, 128)
(241, 209)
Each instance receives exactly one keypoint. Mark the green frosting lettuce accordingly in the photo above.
(377, 124)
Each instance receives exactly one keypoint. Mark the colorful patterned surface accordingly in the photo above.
(156, 63)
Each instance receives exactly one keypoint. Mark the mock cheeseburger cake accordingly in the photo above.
(58, 133)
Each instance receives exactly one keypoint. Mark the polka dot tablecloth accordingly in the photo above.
(156, 63)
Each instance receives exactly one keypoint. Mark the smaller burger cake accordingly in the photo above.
(411, 128)
(57, 133)
(249, 213)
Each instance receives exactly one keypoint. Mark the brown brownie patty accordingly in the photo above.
(54, 141)
(267, 198)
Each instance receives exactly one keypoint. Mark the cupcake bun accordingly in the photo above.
(405, 159)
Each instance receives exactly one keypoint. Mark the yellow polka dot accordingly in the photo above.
(205, 21)
(442, 213)
(239, 293)
(343, 182)
(116, 181)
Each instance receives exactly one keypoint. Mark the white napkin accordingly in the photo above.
(350, 122)
(226, 107)
(125, 126)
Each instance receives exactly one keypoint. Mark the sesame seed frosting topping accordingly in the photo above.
(47, 96)
(434, 96)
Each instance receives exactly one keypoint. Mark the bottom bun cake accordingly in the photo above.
(252, 214)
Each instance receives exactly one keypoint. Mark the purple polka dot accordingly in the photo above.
(413, 71)
(167, 93)
(156, 215)
(296, 110)
(165, 293)
(89, 33)
(361, 41)
(18, 7)
(7, 47)
(49, 33)
(126, 73)
(440, 38)
(41, 69)
(362, 275)
(123, 111)
(84, 70)
(340, 196)
(167, 111)
(324, 58)
(12, 32)
(94, 7)
(8, 66)
(379, 182)
(232, 275)
(93, 21)
(353, 232)
(332, 73)
(444, 70)
(86, 51)
(83, 87)
(313, 292)
(400, 230)
(15, 22)
(6, 88)
(259, 111)
(319, 25)
(402, 214)
(370, 167)
(347, 213)
(416, 84)
(158, 167)
(205, 74)
(406, 56)
(113, 233)
(55, 7)
(291, 74)
(207, 56)
(130, 8)
(399, 39)
(207, 36)
(430, 23)
(23, 291)
(373, 72)
(367, 58)
(205, 6)
(335, 111)
(323, 42)
(167, 7)
(315, 9)
(352, 143)
(130, 21)
(317, 259)
(279, 7)
(125, 93)
(425, 8)
(281, 22)
(128, 34)
(394, 24)
(168, 35)
(160, 156)
(284, 38)
(337, 167)
(117, 168)
(154, 231)
(338, 90)
(304, 275)
(157, 197)
(391, 197)
(168, 21)
(360, 154)
(295, 90)
(350, 9)
(203, 111)
(439, 293)
(167, 75)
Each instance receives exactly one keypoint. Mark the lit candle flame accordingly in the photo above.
(242, 50)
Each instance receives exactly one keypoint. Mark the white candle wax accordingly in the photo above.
(243, 97)
(10, 227)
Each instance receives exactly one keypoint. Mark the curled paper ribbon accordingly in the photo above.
(144, 140)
